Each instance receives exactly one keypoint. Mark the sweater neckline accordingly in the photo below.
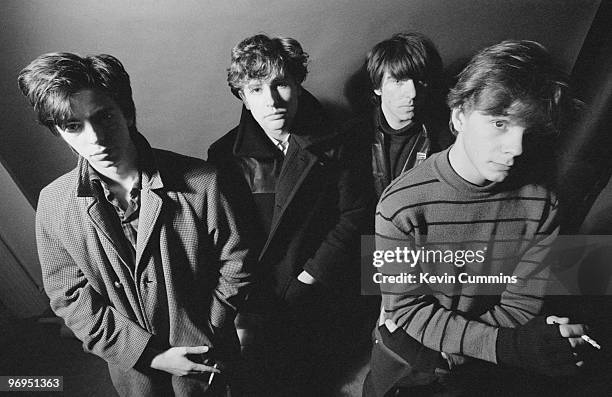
(446, 173)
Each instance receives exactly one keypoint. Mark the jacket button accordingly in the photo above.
(118, 285)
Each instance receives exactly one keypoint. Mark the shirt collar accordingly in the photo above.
(284, 143)
(149, 175)
(95, 177)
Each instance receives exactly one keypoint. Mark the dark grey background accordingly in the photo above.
(177, 52)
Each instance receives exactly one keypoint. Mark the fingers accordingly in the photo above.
(557, 320)
(201, 368)
(390, 324)
(195, 349)
(572, 330)
(577, 342)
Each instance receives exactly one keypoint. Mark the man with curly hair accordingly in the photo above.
(298, 186)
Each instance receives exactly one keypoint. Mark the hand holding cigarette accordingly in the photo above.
(576, 333)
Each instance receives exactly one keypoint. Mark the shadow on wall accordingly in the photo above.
(358, 91)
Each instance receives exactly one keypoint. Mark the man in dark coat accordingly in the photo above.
(139, 249)
(299, 186)
(409, 120)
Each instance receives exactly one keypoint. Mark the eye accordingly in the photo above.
(255, 90)
(500, 124)
(72, 127)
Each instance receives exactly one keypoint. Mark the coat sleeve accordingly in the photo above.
(233, 257)
(102, 329)
(336, 262)
(420, 314)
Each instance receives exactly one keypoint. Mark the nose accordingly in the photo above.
(95, 133)
(409, 89)
(513, 141)
(271, 96)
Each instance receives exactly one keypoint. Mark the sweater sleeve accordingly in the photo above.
(522, 301)
(413, 307)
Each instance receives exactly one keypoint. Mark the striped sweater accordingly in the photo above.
(432, 209)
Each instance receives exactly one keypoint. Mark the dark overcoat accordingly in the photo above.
(320, 206)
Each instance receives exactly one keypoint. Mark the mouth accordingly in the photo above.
(277, 114)
(502, 166)
(103, 152)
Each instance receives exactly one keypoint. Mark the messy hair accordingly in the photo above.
(51, 79)
(260, 57)
(408, 55)
(515, 78)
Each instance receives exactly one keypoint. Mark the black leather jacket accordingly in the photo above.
(429, 141)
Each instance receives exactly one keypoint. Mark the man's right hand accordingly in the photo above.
(175, 361)
(542, 345)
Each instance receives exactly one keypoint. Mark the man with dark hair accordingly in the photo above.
(405, 73)
(140, 252)
(484, 195)
(299, 188)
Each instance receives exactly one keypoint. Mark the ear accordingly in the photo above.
(457, 118)
(243, 98)
(377, 91)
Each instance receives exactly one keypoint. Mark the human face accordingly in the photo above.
(486, 145)
(398, 100)
(97, 129)
(273, 103)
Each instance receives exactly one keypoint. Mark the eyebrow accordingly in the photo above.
(96, 112)
(279, 78)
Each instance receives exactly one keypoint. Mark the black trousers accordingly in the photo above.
(309, 349)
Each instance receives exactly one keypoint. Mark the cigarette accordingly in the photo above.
(212, 374)
(591, 342)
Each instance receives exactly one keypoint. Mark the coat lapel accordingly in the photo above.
(149, 212)
(105, 228)
(296, 168)
(97, 212)
(380, 167)
(150, 208)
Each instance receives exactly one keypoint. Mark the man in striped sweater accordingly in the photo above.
(478, 220)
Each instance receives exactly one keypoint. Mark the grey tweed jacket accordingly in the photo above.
(188, 273)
